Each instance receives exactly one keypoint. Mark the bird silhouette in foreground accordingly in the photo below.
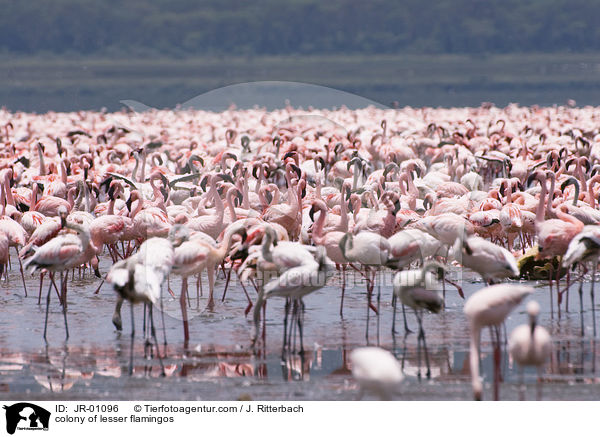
(530, 345)
(376, 370)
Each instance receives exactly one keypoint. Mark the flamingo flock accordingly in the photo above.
(285, 202)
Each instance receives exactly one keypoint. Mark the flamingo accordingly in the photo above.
(61, 253)
(491, 261)
(489, 307)
(295, 283)
(418, 289)
(331, 242)
(584, 248)
(371, 250)
(530, 345)
(138, 279)
(554, 235)
(376, 370)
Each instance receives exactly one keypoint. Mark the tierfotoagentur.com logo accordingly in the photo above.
(26, 417)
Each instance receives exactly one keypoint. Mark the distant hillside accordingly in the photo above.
(275, 27)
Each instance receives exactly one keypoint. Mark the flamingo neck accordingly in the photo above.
(135, 168)
(580, 176)
(42, 171)
(549, 209)
(111, 207)
(591, 193)
(509, 190)
(318, 227)
(474, 362)
(143, 166)
(138, 207)
(2, 202)
(230, 206)
(539, 217)
(9, 197)
(245, 199)
(344, 212)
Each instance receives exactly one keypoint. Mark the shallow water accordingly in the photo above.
(220, 365)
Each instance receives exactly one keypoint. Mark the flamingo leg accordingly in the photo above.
(131, 343)
(250, 304)
(418, 350)
(301, 325)
(558, 293)
(184, 316)
(100, 286)
(406, 328)
(228, 277)
(285, 324)
(581, 307)
(551, 297)
(41, 285)
(368, 311)
(592, 296)
(162, 316)
(496, 341)
(422, 335)
(116, 318)
(343, 271)
(47, 307)
(63, 286)
(153, 333)
(394, 299)
(22, 275)
(378, 308)
(211, 285)
(55, 287)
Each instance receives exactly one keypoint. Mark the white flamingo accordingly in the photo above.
(530, 345)
(293, 284)
(489, 307)
(376, 370)
(139, 278)
(491, 261)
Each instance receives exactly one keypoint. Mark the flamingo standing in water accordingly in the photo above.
(295, 283)
(371, 250)
(530, 345)
(418, 289)
(331, 242)
(63, 252)
(554, 235)
(489, 307)
(139, 279)
(584, 248)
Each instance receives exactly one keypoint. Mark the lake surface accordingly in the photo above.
(219, 363)
(71, 84)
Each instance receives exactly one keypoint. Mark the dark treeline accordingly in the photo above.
(275, 27)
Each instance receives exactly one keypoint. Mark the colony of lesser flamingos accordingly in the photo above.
(284, 200)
